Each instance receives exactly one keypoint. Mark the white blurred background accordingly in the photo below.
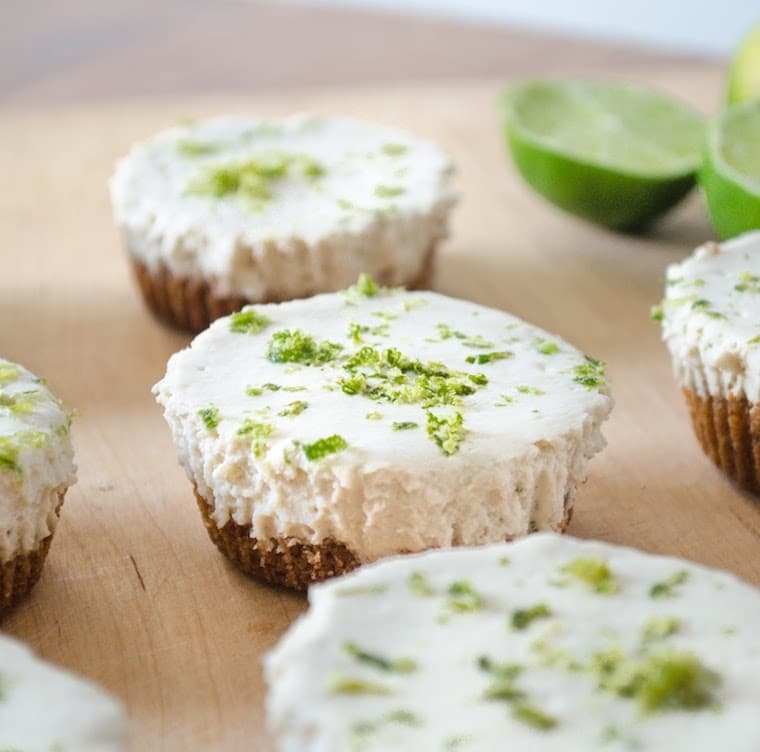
(712, 27)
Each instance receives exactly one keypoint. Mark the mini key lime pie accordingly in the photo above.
(236, 209)
(547, 644)
(711, 323)
(324, 433)
(46, 709)
(36, 468)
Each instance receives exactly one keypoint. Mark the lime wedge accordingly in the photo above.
(744, 78)
(616, 155)
(730, 175)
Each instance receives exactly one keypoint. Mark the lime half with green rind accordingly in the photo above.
(744, 78)
(730, 175)
(617, 155)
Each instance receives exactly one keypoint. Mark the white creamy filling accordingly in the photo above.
(378, 204)
(528, 432)
(36, 460)
(711, 319)
(45, 709)
(323, 698)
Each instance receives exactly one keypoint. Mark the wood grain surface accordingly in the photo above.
(134, 595)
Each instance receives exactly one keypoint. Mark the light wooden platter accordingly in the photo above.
(134, 595)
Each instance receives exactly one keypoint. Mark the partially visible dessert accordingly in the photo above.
(547, 644)
(46, 709)
(36, 469)
(711, 324)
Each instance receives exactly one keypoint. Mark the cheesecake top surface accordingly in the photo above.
(378, 376)
(299, 179)
(548, 643)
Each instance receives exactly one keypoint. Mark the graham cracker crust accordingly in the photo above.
(19, 575)
(191, 305)
(729, 431)
(289, 562)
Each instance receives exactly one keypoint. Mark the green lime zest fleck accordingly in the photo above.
(20, 404)
(468, 340)
(532, 716)
(257, 391)
(348, 685)
(259, 431)
(457, 742)
(545, 346)
(447, 431)
(483, 358)
(9, 455)
(345, 204)
(419, 584)
(659, 627)
(389, 191)
(193, 148)
(374, 416)
(397, 665)
(505, 561)
(404, 717)
(247, 321)
(552, 656)
(503, 687)
(705, 306)
(210, 417)
(251, 179)
(296, 407)
(593, 572)
(657, 682)
(8, 373)
(656, 313)
(367, 286)
(522, 618)
(323, 447)
(295, 346)
(355, 332)
(534, 390)
(393, 150)
(748, 282)
(754, 340)
(667, 588)
(590, 373)
(463, 598)
(404, 425)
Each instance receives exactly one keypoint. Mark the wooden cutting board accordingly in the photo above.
(134, 595)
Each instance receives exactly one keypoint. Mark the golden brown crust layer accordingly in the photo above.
(19, 575)
(191, 305)
(287, 561)
(729, 431)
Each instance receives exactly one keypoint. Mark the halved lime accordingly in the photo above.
(617, 155)
(730, 175)
(744, 78)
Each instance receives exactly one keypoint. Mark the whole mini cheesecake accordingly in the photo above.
(36, 469)
(46, 709)
(235, 210)
(547, 644)
(324, 433)
(711, 325)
